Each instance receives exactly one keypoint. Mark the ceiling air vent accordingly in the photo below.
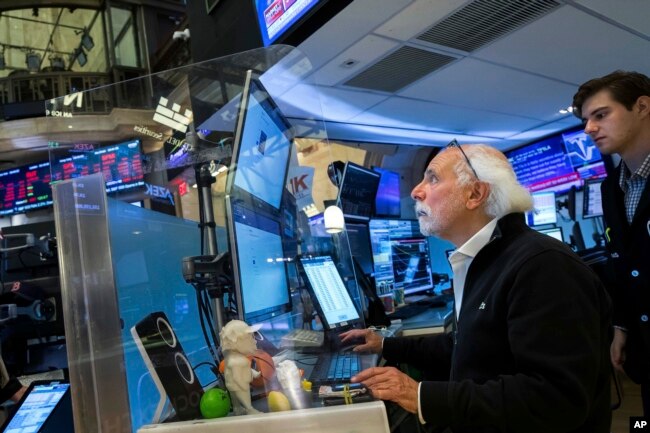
(483, 21)
(399, 69)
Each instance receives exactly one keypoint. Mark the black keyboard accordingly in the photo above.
(335, 368)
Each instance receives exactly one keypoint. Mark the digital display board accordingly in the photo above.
(121, 165)
(28, 187)
(275, 17)
(557, 162)
(25, 188)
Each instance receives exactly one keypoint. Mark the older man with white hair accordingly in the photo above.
(529, 352)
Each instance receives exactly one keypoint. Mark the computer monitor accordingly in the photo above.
(45, 407)
(544, 211)
(400, 256)
(387, 201)
(262, 147)
(592, 201)
(259, 267)
(555, 232)
(359, 238)
(331, 299)
(357, 191)
(25, 188)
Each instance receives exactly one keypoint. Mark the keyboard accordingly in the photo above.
(336, 367)
(297, 338)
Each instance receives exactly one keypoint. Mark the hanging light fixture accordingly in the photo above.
(57, 63)
(334, 220)
(33, 61)
(80, 54)
(87, 41)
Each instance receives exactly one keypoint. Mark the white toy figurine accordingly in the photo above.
(237, 342)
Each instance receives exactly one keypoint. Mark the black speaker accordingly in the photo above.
(169, 367)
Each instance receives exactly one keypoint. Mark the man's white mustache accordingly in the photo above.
(422, 210)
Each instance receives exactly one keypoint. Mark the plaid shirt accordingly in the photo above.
(632, 185)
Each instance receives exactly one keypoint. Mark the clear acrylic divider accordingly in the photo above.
(185, 204)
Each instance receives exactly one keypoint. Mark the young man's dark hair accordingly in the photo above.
(625, 87)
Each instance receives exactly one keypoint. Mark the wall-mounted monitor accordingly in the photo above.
(276, 17)
(259, 268)
(544, 209)
(262, 147)
(400, 256)
(357, 191)
(387, 201)
(25, 188)
(555, 232)
(557, 162)
(121, 165)
(592, 201)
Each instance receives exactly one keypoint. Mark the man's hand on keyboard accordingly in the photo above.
(388, 383)
(372, 340)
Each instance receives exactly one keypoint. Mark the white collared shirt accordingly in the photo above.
(463, 257)
(460, 261)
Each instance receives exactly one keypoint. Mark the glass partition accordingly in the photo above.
(183, 210)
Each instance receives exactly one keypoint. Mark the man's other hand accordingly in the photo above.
(388, 383)
(373, 341)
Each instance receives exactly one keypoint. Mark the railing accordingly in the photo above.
(29, 88)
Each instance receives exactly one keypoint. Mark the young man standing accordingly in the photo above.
(615, 110)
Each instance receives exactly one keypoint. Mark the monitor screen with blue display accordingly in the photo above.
(262, 147)
(544, 209)
(275, 17)
(557, 162)
(331, 298)
(387, 201)
(592, 201)
(38, 406)
(400, 256)
(259, 271)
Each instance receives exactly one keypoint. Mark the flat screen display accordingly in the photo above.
(357, 191)
(40, 402)
(262, 146)
(333, 302)
(592, 201)
(557, 162)
(275, 17)
(25, 188)
(28, 187)
(387, 201)
(121, 165)
(543, 209)
(400, 256)
(359, 238)
(258, 264)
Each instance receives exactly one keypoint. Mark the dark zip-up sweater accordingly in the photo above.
(531, 350)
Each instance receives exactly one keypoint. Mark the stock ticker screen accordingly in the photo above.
(28, 187)
(25, 188)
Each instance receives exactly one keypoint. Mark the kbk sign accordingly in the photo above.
(299, 182)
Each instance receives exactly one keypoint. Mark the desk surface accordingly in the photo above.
(430, 321)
